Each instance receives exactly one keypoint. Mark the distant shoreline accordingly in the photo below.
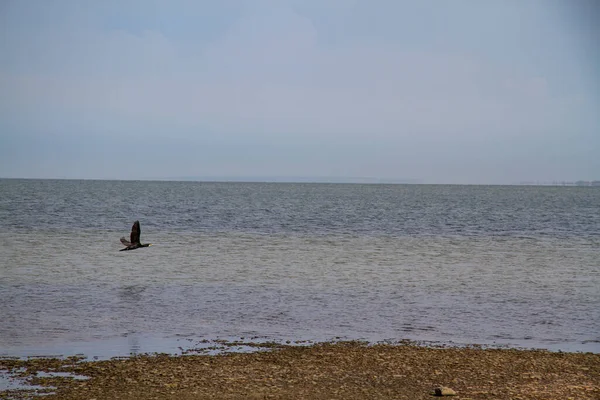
(243, 180)
(356, 181)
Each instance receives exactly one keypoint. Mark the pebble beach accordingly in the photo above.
(346, 370)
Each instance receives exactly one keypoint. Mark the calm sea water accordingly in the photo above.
(466, 264)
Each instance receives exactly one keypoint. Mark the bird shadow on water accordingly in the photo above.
(131, 293)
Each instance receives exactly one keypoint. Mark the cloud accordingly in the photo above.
(269, 74)
(291, 74)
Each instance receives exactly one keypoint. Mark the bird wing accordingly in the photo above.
(125, 242)
(135, 232)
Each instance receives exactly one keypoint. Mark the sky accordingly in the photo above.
(433, 91)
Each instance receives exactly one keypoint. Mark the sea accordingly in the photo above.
(507, 266)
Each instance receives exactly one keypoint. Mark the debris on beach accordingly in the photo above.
(443, 391)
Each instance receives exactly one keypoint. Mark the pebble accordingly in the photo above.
(444, 391)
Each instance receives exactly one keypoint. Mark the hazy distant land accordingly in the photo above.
(562, 183)
(338, 179)
(294, 179)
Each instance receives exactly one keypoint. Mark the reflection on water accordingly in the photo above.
(8, 381)
(134, 344)
(131, 296)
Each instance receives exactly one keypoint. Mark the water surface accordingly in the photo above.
(468, 264)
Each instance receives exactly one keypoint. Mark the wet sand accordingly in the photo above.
(324, 371)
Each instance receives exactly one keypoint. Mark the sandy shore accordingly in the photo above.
(325, 371)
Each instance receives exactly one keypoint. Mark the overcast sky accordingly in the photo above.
(462, 91)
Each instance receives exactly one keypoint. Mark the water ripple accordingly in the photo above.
(299, 262)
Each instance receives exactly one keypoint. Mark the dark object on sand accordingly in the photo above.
(134, 240)
(444, 391)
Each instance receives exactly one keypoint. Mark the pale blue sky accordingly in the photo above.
(439, 91)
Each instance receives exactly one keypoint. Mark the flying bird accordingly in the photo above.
(134, 240)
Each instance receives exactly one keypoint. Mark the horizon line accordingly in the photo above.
(316, 180)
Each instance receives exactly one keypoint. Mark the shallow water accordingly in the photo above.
(468, 264)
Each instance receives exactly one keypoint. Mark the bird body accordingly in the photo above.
(134, 239)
